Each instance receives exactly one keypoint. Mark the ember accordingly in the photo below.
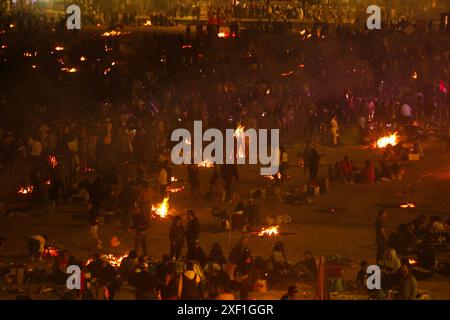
(205, 164)
(161, 209)
(114, 33)
(25, 190)
(408, 205)
(50, 252)
(52, 161)
(269, 231)
(175, 189)
(382, 142)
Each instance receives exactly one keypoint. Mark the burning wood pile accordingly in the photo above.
(52, 161)
(269, 231)
(407, 205)
(50, 252)
(205, 164)
(382, 142)
(161, 210)
(25, 190)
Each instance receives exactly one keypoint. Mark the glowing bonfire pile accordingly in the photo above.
(205, 164)
(408, 205)
(161, 210)
(114, 33)
(50, 252)
(269, 231)
(52, 161)
(25, 190)
(382, 142)
(109, 258)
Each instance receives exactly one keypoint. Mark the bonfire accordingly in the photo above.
(161, 209)
(25, 190)
(205, 164)
(269, 231)
(408, 205)
(382, 142)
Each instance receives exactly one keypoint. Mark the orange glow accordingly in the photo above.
(239, 133)
(25, 190)
(205, 164)
(382, 142)
(175, 189)
(148, 23)
(412, 261)
(52, 161)
(161, 209)
(69, 70)
(269, 231)
(408, 205)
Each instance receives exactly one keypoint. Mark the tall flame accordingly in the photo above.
(239, 133)
(161, 209)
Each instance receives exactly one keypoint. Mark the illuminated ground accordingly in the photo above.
(348, 233)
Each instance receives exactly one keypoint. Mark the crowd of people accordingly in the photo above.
(101, 134)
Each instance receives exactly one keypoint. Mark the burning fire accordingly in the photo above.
(223, 35)
(239, 133)
(205, 164)
(269, 231)
(175, 189)
(173, 179)
(25, 190)
(110, 258)
(50, 252)
(412, 261)
(161, 209)
(408, 205)
(52, 161)
(384, 141)
(69, 70)
(148, 23)
(114, 33)
(82, 58)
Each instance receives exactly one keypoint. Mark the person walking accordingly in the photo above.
(140, 226)
(176, 236)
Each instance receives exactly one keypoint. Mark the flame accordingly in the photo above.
(4, 46)
(173, 179)
(414, 76)
(175, 189)
(384, 141)
(186, 46)
(270, 177)
(70, 70)
(407, 205)
(223, 35)
(148, 23)
(239, 133)
(82, 58)
(50, 252)
(114, 33)
(25, 190)
(52, 161)
(205, 164)
(162, 209)
(110, 258)
(59, 48)
(412, 261)
(269, 231)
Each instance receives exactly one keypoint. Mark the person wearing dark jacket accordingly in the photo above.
(216, 254)
(189, 286)
(145, 284)
(197, 254)
(239, 250)
(192, 230)
(176, 236)
(127, 201)
(140, 225)
(243, 275)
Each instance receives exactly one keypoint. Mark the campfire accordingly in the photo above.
(50, 252)
(408, 205)
(52, 161)
(114, 33)
(161, 209)
(269, 231)
(205, 164)
(25, 190)
(175, 189)
(110, 258)
(382, 142)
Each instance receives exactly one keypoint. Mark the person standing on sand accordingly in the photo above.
(381, 234)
